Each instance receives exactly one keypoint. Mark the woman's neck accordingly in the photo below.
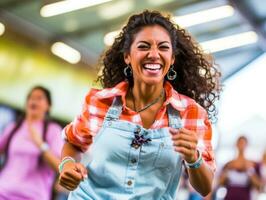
(33, 118)
(241, 155)
(144, 93)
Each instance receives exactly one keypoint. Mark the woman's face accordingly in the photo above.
(151, 55)
(241, 144)
(37, 104)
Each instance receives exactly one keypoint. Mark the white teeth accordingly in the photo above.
(152, 66)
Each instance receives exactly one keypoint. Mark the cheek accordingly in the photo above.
(170, 58)
(45, 106)
(27, 106)
(42, 105)
(137, 56)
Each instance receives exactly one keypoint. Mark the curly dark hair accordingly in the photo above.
(197, 76)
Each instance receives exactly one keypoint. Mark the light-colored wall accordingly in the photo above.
(24, 65)
(242, 111)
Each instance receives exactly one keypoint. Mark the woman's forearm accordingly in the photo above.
(70, 150)
(201, 179)
(67, 150)
(52, 160)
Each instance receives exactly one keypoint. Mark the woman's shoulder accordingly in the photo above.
(190, 104)
(230, 164)
(99, 98)
(55, 126)
(8, 127)
(188, 101)
(106, 94)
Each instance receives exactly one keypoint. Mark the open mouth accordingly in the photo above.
(33, 106)
(152, 67)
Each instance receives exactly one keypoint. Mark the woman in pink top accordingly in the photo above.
(32, 147)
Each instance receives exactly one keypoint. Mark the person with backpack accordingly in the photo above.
(31, 147)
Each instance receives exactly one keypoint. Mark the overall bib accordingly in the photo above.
(118, 171)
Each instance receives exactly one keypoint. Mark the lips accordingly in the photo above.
(152, 66)
(33, 106)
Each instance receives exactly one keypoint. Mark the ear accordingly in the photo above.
(173, 60)
(48, 108)
(127, 58)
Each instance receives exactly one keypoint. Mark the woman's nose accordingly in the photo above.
(153, 53)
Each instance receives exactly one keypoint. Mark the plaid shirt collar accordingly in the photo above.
(172, 96)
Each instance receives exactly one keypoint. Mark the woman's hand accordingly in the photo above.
(72, 174)
(185, 143)
(35, 135)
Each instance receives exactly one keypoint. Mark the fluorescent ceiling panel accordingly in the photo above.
(68, 6)
(66, 52)
(204, 16)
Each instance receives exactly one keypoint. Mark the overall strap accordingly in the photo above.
(114, 110)
(174, 117)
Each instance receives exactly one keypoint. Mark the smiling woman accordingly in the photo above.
(139, 128)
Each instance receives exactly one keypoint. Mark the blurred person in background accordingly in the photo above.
(240, 175)
(140, 130)
(31, 146)
(262, 171)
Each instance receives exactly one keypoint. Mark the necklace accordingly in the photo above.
(149, 104)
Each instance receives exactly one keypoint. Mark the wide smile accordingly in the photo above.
(152, 68)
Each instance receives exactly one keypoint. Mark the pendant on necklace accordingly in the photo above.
(139, 140)
(149, 104)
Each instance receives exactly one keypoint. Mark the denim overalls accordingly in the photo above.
(118, 171)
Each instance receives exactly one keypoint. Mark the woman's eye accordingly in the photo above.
(143, 47)
(164, 47)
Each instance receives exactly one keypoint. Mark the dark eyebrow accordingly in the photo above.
(164, 42)
(143, 42)
(149, 43)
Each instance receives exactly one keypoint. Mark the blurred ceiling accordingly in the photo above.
(85, 29)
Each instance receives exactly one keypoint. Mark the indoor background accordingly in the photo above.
(59, 48)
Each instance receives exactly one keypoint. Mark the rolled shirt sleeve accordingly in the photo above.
(80, 132)
(196, 119)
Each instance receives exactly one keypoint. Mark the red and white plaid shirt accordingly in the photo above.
(81, 131)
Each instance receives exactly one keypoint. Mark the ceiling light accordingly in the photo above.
(110, 37)
(159, 2)
(204, 16)
(66, 52)
(68, 6)
(2, 29)
(116, 9)
(229, 42)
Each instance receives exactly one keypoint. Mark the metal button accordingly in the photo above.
(138, 129)
(129, 183)
(133, 160)
(136, 146)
